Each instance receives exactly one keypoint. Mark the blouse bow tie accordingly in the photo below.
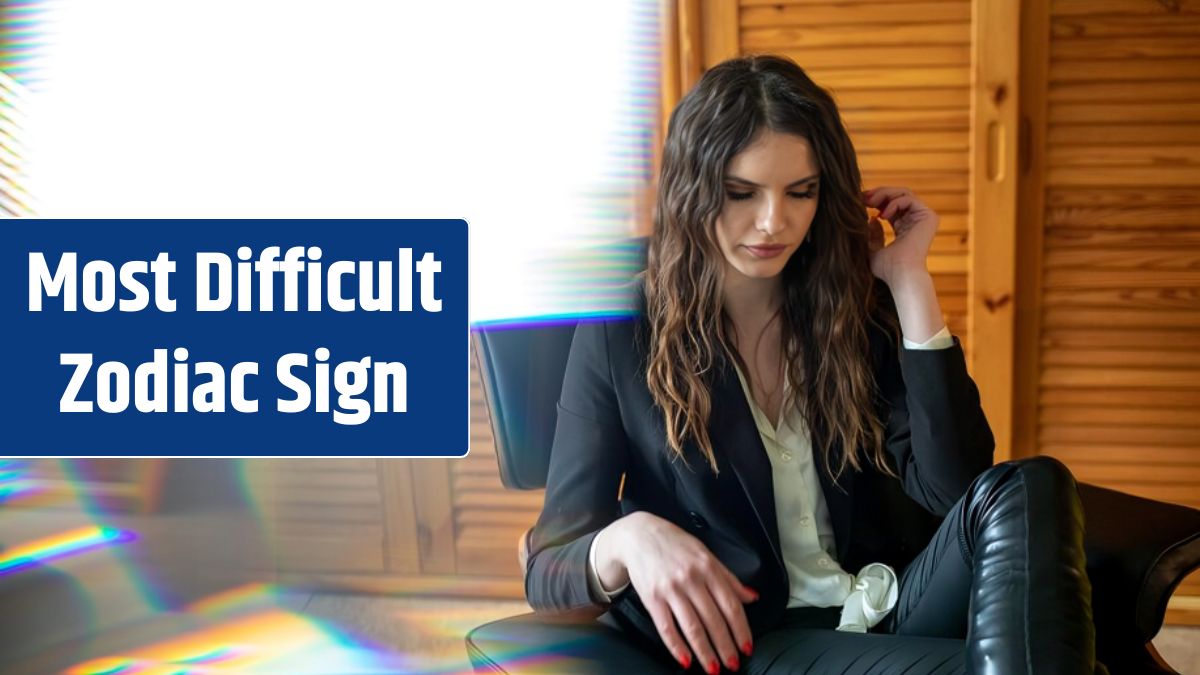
(874, 594)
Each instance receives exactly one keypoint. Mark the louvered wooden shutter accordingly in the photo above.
(1118, 390)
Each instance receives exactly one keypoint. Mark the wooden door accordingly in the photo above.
(1109, 336)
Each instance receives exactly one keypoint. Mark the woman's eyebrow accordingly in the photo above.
(793, 184)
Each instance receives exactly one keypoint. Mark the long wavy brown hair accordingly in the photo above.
(829, 295)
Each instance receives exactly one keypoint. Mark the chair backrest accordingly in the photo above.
(522, 371)
(522, 368)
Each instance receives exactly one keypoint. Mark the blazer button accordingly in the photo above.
(698, 521)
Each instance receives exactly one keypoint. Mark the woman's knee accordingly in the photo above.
(1040, 475)
(1000, 501)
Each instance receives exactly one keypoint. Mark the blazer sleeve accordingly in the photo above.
(935, 427)
(589, 455)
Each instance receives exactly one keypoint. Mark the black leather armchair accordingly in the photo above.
(1138, 549)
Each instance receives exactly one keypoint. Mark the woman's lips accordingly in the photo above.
(766, 251)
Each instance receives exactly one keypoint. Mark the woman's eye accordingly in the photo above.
(740, 196)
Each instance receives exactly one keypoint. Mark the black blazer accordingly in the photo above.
(936, 437)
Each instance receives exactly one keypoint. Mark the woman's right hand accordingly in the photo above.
(683, 586)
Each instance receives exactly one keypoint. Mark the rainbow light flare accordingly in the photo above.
(20, 40)
(270, 641)
(15, 200)
(243, 630)
(73, 542)
(23, 32)
(15, 482)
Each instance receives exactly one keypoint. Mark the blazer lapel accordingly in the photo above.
(731, 429)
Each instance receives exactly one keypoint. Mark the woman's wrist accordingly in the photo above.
(609, 561)
(916, 303)
(904, 277)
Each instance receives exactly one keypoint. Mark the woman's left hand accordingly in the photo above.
(914, 223)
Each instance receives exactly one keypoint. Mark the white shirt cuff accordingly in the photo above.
(942, 340)
(594, 584)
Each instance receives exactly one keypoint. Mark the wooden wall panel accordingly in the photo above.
(995, 152)
(401, 546)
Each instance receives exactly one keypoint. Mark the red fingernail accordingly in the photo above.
(734, 662)
(685, 660)
(747, 648)
(713, 668)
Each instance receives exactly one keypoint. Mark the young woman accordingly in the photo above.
(785, 437)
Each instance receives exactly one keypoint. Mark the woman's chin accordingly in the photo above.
(761, 270)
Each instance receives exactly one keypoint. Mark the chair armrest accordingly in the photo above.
(1138, 550)
(533, 644)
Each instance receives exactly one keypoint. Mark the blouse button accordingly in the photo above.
(823, 562)
(804, 522)
(786, 456)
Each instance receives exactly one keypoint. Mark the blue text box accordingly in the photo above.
(430, 346)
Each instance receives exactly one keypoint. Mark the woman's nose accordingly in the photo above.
(772, 220)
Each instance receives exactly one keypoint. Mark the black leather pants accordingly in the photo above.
(1005, 571)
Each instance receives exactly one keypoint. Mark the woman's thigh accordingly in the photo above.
(935, 589)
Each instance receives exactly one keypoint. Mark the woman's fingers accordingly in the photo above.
(664, 621)
(711, 604)
(729, 597)
(743, 592)
(900, 207)
(694, 632)
(888, 200)
(896, 206)
(877, 197)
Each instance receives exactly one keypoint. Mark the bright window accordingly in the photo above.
(531, 119)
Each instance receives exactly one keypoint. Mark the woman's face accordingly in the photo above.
(770, 200)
